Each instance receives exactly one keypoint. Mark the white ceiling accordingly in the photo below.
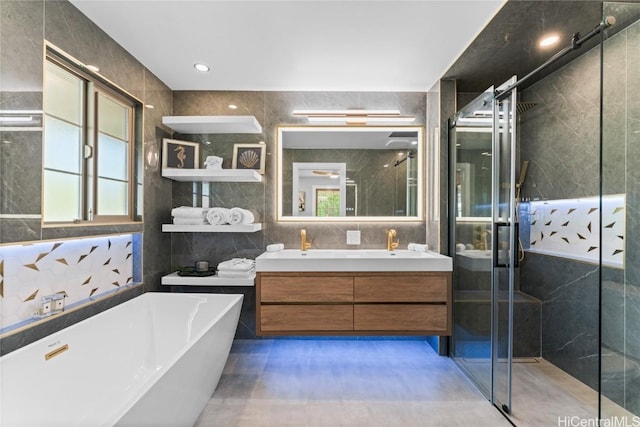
(304, 45)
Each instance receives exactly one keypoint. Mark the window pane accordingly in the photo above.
(112, 158)
(112, 197)
(62, 146)
(63, 94)
(61, 196)
(113, 118)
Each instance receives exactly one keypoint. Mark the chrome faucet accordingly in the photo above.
(304, 245)
(391, 245)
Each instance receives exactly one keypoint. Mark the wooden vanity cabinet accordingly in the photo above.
(353, 303)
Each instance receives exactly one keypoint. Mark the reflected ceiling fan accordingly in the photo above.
(330, 174)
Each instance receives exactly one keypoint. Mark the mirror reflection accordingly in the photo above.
(472, 134)
(349, 173)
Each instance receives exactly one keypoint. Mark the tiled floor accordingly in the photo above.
(321, 382)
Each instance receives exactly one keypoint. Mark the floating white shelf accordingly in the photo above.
(212, 124)
(206, 228)
(174, 280)
(210, 175)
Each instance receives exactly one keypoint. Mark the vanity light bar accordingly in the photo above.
(354, 116)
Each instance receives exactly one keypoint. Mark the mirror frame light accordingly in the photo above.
(311, 219)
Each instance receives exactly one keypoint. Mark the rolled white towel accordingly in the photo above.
(189, 212)
(237, 264)
(241, 216)
(218, 216)
(181, 220)
(417, 247)
(275, 247)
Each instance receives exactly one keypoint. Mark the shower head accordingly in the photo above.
(521, 107)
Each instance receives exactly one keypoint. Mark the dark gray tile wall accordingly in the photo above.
(24, 25)
(569, 291)
(560, 139)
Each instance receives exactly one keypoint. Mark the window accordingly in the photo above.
(89, 148)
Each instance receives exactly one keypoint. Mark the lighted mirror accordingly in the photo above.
(350, 173)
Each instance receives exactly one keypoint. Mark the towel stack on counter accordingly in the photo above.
(240, 268)
(233, 216)
(186, 215)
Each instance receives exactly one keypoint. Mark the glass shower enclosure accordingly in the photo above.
(544, 212)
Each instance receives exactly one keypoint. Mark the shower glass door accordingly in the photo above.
(470, 142)
(482, 154)
(504, 244)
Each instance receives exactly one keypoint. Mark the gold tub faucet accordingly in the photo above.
(391, 245)
(304, 245)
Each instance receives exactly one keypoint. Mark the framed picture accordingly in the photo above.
(180, 154)
(249, 156)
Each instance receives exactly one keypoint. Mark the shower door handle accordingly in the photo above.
(496, 243)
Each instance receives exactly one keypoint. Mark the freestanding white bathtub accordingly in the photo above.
(152, 361)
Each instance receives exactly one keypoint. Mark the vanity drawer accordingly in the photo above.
(306, 317)
(293, 289)
(400, 317)
(418, 288)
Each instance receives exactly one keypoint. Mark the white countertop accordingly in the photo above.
(321, 260)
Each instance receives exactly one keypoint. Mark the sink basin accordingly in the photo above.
(352, 260)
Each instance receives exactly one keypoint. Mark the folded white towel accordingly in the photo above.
(237, 274)
(218, 216)
(417, 247)
(241, 216)
(189, 212)
(276, 247)
(180, 220)
(237, 264)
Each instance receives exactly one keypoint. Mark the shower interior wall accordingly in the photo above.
(560, 138)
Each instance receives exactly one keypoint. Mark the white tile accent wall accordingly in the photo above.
(83, 269)
(570, 228)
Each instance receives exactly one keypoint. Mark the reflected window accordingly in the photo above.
(88, 148)
(327, 202)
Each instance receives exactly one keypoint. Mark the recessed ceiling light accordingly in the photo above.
(93, 68)
(549, 40)
(201, 67)
(233, 106)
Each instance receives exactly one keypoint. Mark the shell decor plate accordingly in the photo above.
(249, 159)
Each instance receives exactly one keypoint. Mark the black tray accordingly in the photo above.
(191, 271)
